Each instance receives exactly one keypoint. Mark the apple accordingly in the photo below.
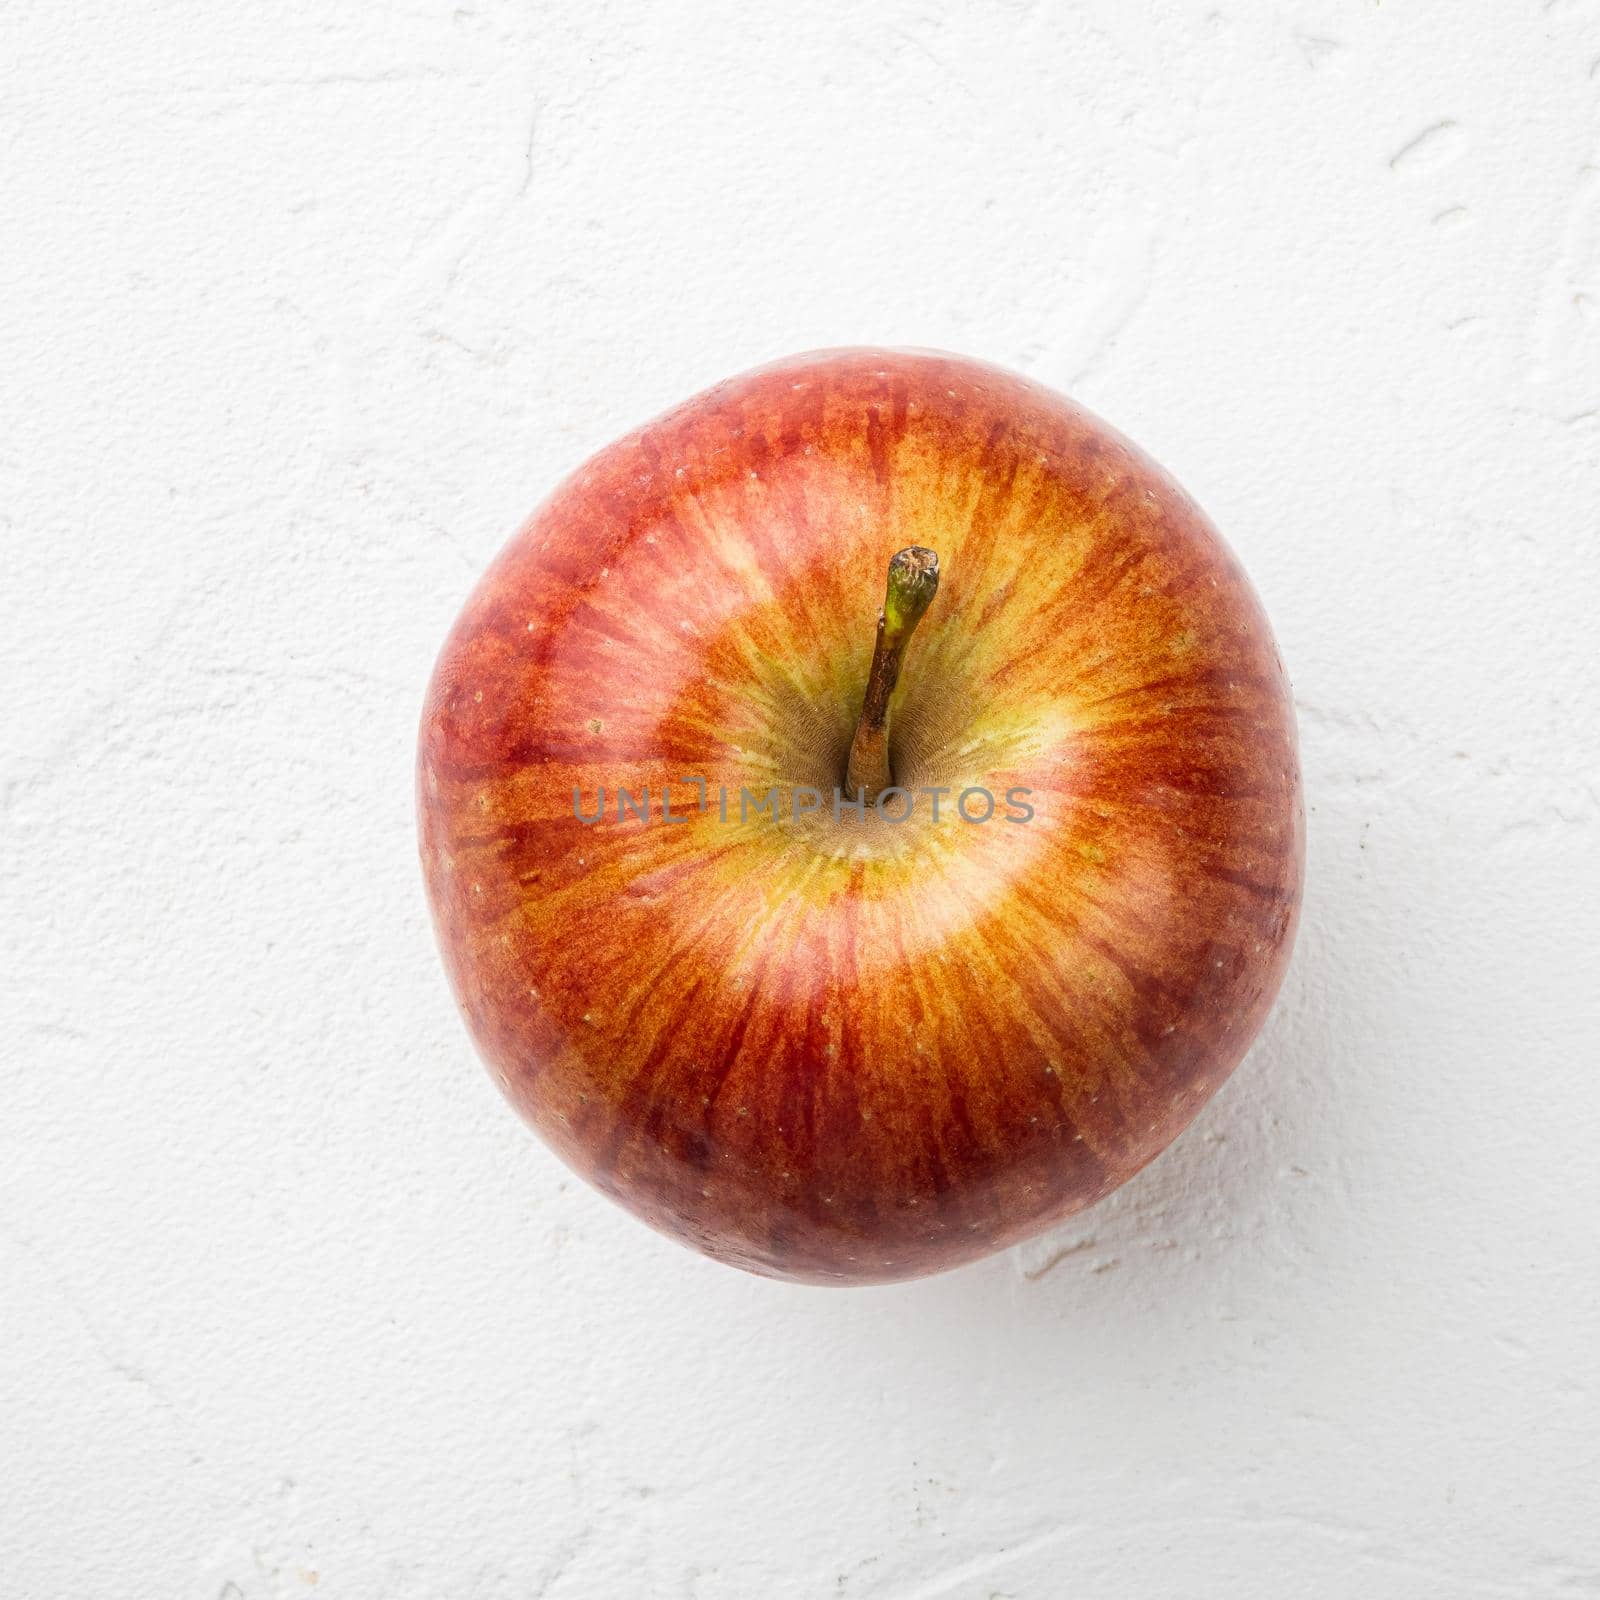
(861, 815)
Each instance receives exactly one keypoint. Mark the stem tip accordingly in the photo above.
(913, 582)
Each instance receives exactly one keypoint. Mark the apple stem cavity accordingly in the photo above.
(913, 582)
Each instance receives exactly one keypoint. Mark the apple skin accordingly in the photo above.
(841, 1051)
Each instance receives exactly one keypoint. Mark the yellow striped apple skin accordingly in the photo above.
(843, 1049)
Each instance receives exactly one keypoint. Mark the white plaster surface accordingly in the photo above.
(302, 307)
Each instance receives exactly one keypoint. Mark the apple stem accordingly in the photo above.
(913, 582)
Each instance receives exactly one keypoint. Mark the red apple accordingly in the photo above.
(846, 1048)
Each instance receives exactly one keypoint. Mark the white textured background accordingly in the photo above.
(303, 307)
